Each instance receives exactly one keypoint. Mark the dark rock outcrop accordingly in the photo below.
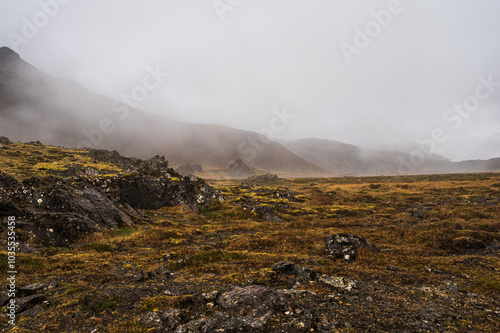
(346, 246)
(155, 166)
(289, 268)
(59, 210)
(4, 140)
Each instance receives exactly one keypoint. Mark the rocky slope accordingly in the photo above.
(75, 200)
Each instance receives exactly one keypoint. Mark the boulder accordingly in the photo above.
(168, 320)
(346, 246)
(5, 141)
(288, 268)
(252, 301)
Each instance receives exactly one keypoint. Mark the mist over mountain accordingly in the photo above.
(35, 106)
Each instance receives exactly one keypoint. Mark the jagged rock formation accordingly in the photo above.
(189, 169)
(238, 169)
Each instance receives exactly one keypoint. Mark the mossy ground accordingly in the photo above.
(231, 246)
(24, 160)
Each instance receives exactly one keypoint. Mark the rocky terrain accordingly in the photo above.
(75, 199)
(114, 244)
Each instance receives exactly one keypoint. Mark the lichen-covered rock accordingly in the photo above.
(252, 301)
(342, 283)
(346, 246)
(167, 320)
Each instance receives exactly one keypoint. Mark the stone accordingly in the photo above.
(33, 288)
(168, 320)
(342, 283)
(252, 301)
(25, 303)
(286, 267)
(346, 246)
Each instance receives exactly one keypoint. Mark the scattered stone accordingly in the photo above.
(252, 301)
(222, 322)
(433, 270)
(342, 283)
(169, 320)
(394, 268)
(33, 288)
(25, 303)
(162, 270)
(346, 246)
(419, 211)
(262, 178)
(211, 296)
(302, 324)
(286, 267)
(452, 287)
(268, 213)
(184, 259)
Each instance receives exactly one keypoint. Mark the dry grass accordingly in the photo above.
(230, 245)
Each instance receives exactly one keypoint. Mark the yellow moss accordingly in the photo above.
(54, 166)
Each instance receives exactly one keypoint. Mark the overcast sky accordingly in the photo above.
(233, 62)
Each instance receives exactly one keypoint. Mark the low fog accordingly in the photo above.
(383, 74)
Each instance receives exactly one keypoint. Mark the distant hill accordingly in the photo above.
(341, 158)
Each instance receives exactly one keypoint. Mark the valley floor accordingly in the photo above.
(436, 268)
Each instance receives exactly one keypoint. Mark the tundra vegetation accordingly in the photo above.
(435, 267)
